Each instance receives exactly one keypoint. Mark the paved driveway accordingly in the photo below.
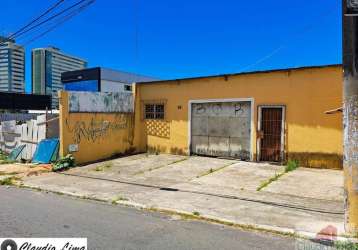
(155, 169)
(223, 174)
(305, 200)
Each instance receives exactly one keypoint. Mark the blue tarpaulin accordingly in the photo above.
(47, 151)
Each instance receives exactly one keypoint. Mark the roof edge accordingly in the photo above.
(245, 73)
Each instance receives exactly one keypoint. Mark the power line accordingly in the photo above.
(54, 16)
(268, 56)
(136, 32)
(33, 21)
(60, 22)
(24, 30)
(58, 3)
(306, 29)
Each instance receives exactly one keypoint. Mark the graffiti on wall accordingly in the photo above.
(98, 102)
(235, 109)
(99, 129)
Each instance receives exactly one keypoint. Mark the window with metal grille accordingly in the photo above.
(154, 111)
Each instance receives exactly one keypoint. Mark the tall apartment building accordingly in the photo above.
(12, 66)
(47, 66)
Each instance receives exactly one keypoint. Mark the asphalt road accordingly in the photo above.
(28, 213)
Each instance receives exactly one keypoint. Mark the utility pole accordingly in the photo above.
(350, 113)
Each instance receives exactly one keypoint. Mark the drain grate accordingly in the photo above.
(169, 189)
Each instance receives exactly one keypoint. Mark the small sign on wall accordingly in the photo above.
(73, 148)
(352, 8)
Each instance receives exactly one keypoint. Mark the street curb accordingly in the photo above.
(288, 232)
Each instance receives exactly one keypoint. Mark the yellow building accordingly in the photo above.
(259, 116)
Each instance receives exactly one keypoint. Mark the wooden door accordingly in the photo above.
(271, 134)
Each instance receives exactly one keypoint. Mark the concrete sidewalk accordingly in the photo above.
(215, 189)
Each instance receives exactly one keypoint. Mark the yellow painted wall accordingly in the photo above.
(98, 135)
(311, 136)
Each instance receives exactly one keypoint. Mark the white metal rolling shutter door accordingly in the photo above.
(221, 129)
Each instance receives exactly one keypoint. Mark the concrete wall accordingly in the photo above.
(94, 135)
(311, 136)
(100, 102)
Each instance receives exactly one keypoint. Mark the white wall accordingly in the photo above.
(113, 86)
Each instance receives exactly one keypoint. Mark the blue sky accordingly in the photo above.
(185, 38)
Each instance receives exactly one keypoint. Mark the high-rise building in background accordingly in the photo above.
(47, 66)
(12, 66)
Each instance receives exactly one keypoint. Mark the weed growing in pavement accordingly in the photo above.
(291, 166)
(103, 167)
(7, 181)
(98, 169)
(340, 245)
(196, 213)
(161, 166)
(269, 181)
(119, 198)
(213, 170)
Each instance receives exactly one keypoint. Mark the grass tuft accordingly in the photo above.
(291, 166)
(7, 181)
(3, 156)
(161, 166)
(213, 170)
(119, 198)
(340, 245)
(103, 167)
(6, 161)
(269, 181)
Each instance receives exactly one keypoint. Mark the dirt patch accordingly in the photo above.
(21, 170)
